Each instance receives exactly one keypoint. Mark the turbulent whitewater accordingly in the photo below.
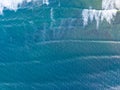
(107, 13)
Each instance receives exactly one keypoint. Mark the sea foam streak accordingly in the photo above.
(14, 4)
(108, 12)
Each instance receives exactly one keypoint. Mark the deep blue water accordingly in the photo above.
(43, 52)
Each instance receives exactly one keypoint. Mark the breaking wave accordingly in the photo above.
(108, 12)
(14, 4)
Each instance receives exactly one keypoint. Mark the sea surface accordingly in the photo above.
(46, 47)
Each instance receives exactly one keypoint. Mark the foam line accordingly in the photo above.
(80, 41)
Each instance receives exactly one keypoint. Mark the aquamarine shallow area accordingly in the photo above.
(47, 48)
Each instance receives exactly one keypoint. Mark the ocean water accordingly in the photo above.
(56, 45)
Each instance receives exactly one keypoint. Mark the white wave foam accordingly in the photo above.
(11, 4)
(108, 11)
(14, 4)
(46, 2)
(110, 4)
(98, 16)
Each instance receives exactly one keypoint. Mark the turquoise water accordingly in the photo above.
(48, 48)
